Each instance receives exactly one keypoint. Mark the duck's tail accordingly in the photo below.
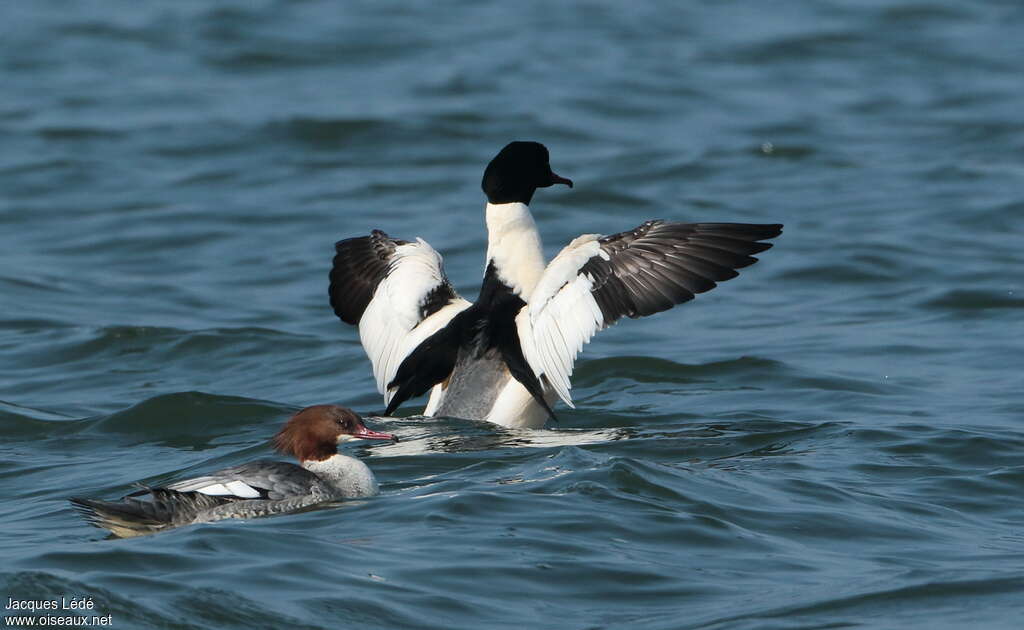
(131, 516)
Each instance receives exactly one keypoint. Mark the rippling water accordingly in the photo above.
(834, 439)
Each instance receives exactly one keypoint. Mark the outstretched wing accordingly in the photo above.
(396, 292)
(596, 280)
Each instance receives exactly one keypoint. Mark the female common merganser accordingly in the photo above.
(258, 488)
(507, 356)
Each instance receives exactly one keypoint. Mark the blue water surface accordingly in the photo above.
(834, 439)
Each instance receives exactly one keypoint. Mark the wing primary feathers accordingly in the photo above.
(635, 273)
(657, 264)
(360, 264)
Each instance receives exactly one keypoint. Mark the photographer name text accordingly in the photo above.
(64, 603)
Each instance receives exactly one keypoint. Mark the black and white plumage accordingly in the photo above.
(265, 479)
(258, 488)
(398, 295)
(596, 280)
(507, 356)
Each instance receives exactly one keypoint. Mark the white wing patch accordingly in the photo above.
(636, 273)
(230, 489)
(390, 328)
(561, 315)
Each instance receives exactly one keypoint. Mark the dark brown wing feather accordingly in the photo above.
(359, 266)
(657, 265)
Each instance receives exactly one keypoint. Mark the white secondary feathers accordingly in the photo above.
(561, 315)
(201, 485)
(391, 327)
(231, 488)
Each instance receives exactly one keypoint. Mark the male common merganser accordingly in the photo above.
(259, 488)
(507, 356)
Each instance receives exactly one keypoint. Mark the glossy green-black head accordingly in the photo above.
(517, 171)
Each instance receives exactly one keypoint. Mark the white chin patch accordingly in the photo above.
(345, 437)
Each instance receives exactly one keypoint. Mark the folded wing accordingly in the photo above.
(596, 280)
(263, 479)
(396, 292)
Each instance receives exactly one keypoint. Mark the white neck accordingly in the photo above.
(350, 477)
(513, 243)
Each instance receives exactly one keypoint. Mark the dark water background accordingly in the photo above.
(834, 439)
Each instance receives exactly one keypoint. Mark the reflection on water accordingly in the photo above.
(453, 435)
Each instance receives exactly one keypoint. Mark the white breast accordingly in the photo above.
(513, 244)
(515, 408)
(348, 475)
